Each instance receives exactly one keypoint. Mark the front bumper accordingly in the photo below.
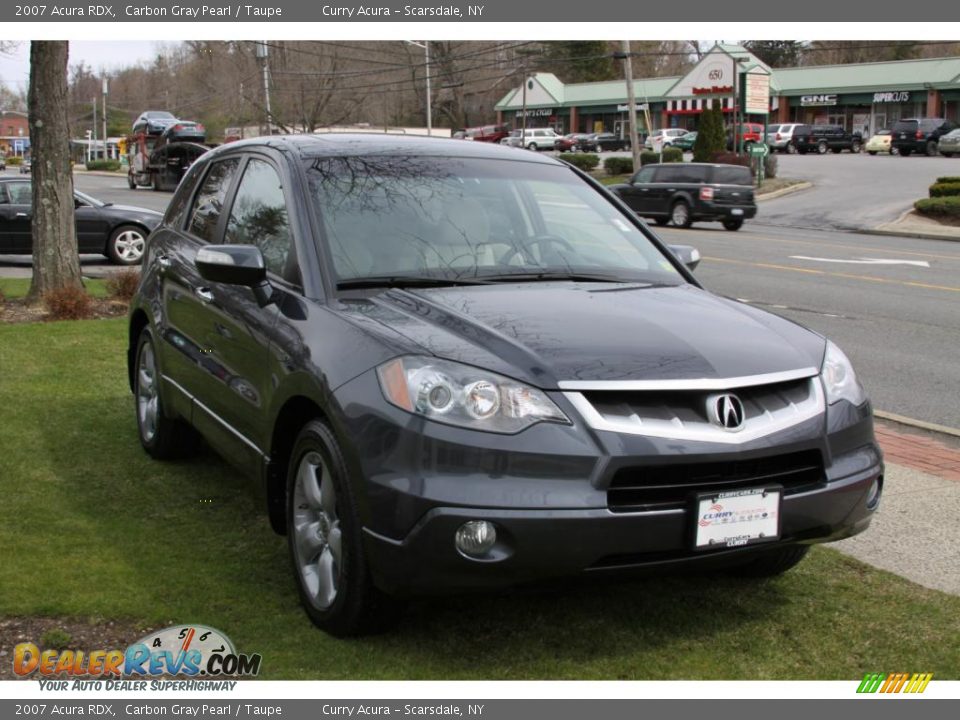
(546, 490)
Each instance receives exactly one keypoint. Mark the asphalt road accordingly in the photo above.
(900, 324)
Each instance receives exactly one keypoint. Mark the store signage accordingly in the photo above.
(625, 107)
(537, 112)
(713, 90)
(818, 100)
(892, 97)
(757, 94)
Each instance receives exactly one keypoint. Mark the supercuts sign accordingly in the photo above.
(892, 97)
(818, 100)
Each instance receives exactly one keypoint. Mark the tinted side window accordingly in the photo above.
(20, 193)
(177, 209)
(732, 175)
(259, 216)
(668, 174)
(644, 176)
(208, 204)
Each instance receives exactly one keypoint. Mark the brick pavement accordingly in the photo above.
(919, 452)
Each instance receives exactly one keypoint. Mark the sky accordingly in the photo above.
(109, 55)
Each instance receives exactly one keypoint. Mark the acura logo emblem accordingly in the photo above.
(726, 411)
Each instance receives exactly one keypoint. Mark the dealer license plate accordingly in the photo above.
(740, 517)
(737, 211)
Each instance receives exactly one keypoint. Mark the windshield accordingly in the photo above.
(459, 218)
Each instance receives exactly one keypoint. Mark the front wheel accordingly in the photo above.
(822, 148)
(326, 547)
(931, 148)
(126, 245)
(532, 146)
(733, 224)
(773, 562)
(791, 149)
(680, 214)
(855, 147)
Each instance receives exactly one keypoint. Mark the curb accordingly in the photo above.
(886, 229)
(921, 424)
(785, 191)
(100, 173)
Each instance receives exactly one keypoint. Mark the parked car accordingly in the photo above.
(3, 162)
(499, 418)
(117, 231)
(949, 144)
(880, 142)
(153, 122)
(686, 142)
(25, 166)
(667, 134)
(683, 193)
(185, 130)
(920, 134)
(824, 138)
(748, 134)
(534, 139)
(780, 137)
(488, 133)
(577, 142)
(605, 142)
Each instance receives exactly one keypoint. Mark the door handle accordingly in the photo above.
(205, 294)
(165, 261)
(23, 215)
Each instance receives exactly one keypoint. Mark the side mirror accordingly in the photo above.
(687, 254)
(236, 265)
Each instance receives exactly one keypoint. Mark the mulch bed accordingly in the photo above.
(18, 311)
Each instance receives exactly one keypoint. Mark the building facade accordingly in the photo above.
(863, 97)
(14, 133)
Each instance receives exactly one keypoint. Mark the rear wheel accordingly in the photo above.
(791, 149)
(822, 147)
(931, 148)
(162, 437)
(532, 146)
(680, 214)
(326, 547)
(855, 146)
(772, 562)
(733, 224)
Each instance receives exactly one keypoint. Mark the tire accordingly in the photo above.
(131, 183)
(126, 245)
(871, 152)
(575, 149)
(947, 154)
(680, 214)
(163, 438)
(733, 224)
(324, 538)
(791, 149)
(532, 146)
(931, 148)
(822, 148)
(894, 151)
(855, 147)
(772, 562)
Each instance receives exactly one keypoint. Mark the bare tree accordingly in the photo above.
(56, 263)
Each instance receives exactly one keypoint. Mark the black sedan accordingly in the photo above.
(609, 141)
(117, 231)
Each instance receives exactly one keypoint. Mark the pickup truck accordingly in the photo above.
(821, 138)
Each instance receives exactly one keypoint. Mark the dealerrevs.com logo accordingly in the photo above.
(894, 682)
(190, 650)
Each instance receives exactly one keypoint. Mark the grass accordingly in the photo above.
(93, 528)
(14, 288)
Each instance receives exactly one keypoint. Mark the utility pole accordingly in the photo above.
(632, 100)
(523, 118)
(426, 53)
(104, 117)
(261, 52)
(94, 128)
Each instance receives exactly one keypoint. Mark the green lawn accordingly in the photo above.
(18, 287)
(93, 528)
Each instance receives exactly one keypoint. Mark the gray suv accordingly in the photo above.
(451, 366)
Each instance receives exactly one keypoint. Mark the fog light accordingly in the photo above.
(873, 496)
(475, 538)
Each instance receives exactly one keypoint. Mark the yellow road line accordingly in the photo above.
(850, 276)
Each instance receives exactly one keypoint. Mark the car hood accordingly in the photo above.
(127, 210)
(546, 333)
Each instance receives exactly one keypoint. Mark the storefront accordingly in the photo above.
(862, 97)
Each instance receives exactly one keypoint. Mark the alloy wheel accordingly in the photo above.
(318, 538)
(129, 245)
(147, 394)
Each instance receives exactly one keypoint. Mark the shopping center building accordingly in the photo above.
(862, 97)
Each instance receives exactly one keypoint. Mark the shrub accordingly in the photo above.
(670, 154)
(584, 161)
(711, 137)
(69, 303)
(122, 285)
(949, 179)
(14, 160)
(943, 207)
(770, 165)
(109, 165)
(55, 639)
(618, 165)
(945, 189)
(730, 158)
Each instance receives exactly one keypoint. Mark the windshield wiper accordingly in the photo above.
(376, 281)
(548, 276)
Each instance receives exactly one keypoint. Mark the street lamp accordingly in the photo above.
(426, 51)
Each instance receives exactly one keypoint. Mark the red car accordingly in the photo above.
(576, 142)
(751, 133)
(488, 133)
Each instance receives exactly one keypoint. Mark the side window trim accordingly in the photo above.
(227, 198)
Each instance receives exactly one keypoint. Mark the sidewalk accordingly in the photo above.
(909, 224)
(915, 533)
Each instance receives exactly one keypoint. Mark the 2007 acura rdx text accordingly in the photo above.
(456, 366)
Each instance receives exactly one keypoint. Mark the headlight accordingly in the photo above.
(839, 379)
(456, 394)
